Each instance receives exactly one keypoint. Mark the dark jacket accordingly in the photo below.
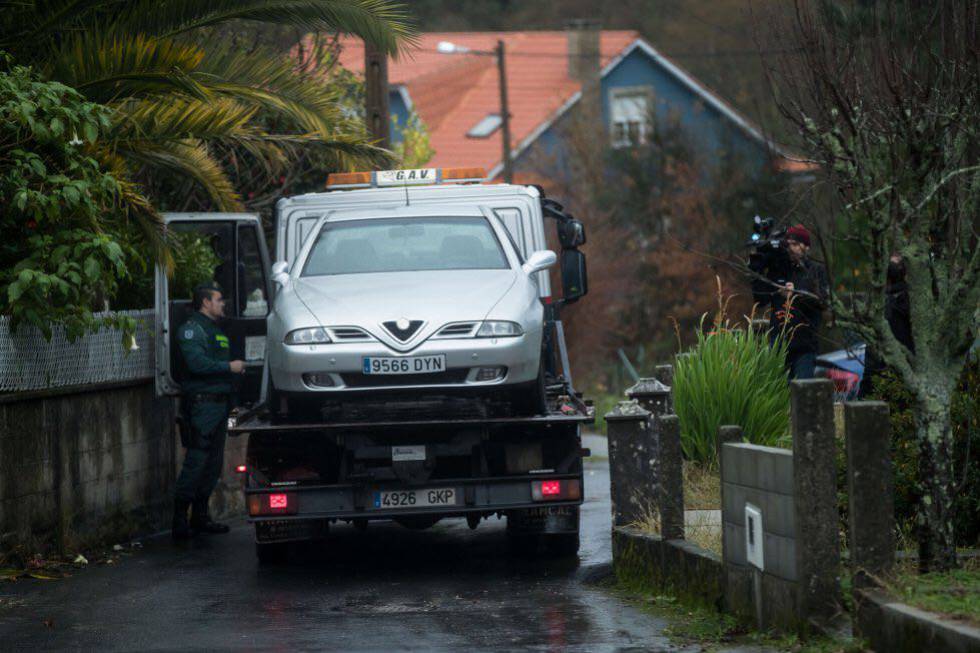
(801, 317)
(205, 350)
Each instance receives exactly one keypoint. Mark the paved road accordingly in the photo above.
(447, 588)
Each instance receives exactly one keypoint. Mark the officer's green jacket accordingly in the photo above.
(206, 354)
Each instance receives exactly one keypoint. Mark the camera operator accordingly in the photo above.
(795, 289)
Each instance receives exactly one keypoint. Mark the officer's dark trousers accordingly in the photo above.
(204, 461)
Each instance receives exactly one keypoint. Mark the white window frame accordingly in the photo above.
(620, 130)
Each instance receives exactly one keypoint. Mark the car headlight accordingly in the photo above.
(308, 336)
(493, 329)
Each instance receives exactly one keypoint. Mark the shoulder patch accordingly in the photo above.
(188, 333)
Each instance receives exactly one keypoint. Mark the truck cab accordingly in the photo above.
(228, 249)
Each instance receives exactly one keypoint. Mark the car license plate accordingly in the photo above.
(415, 498)
(404, 364)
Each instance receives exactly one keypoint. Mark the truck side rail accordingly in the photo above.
(251, 423)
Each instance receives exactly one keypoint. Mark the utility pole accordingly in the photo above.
(376, 95)
(504, 113)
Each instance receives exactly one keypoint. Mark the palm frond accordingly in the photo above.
(106, 65)
(384, 23)
(137, 209)
(28, 25)
(273, 82)
(168, 119)
(190, 158)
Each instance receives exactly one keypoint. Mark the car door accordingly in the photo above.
(228, 249)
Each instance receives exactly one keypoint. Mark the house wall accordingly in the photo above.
(711, 133)
(709, 130)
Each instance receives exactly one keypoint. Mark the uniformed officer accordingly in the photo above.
(206, 402)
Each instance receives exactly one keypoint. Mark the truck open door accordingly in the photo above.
(241, 270)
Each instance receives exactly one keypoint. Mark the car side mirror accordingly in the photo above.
(574, 278)
(540, 260)
(571, 234)
(280, 273)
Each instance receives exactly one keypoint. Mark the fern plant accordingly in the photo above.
(180, 97)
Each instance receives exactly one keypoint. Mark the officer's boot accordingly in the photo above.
(181, 528)
(201, 520)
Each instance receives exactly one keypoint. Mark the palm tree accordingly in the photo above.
(180, 94)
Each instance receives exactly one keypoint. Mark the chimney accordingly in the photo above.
(583, 60)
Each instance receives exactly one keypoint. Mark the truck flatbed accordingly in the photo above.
(256, 424)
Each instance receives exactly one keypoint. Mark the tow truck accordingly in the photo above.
(413, 460)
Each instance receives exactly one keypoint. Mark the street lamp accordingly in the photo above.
(447, 47)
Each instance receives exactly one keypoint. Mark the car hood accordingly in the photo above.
(436, 298)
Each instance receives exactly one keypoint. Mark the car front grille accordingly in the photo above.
(349, 334)
(358, 380)
(457, 330)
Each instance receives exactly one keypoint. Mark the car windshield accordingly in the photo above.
(405, 245)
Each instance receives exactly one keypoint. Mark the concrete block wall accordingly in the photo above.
(763, 477)
(96, 461)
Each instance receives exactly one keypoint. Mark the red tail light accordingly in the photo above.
(241, 469)
(556, 490)
(278, 501)
(550, 488)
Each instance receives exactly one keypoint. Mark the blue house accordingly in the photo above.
(614, 78)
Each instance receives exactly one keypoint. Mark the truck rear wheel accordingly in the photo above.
(270, 553)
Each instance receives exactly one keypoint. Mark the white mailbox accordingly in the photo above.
(753, 536)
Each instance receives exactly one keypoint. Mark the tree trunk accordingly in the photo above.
(937, 544)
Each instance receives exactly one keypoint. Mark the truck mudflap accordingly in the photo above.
(443, 498)
(543, 520)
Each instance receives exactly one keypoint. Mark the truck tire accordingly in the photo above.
(531, 399)
(270, 553)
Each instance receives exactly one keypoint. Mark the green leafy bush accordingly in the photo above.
(194, 263)
(731, 376)
(59, 259)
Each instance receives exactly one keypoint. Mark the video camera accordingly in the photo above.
(769, 256)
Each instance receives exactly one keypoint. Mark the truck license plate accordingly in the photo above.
(404, 364)
(444, 496)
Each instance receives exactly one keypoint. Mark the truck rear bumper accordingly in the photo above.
(348, 502)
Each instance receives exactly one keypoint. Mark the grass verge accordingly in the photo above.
(702, 491)
(954, 594)
(697, 624)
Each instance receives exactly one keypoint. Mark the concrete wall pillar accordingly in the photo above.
(652, 395)
(671, 478)
(633, 484)
(815, 490)
(727, 433)
(870, 491)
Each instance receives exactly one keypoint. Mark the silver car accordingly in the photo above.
(407, 300)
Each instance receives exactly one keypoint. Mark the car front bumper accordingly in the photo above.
(343, 364)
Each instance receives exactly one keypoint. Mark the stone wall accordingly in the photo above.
(93, 462)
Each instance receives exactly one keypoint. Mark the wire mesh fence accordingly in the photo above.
(29, 362)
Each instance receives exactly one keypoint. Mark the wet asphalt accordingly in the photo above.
(386, 589)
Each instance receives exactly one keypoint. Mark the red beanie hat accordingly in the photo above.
(799, 234)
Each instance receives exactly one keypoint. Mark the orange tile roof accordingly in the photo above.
(453, 92)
